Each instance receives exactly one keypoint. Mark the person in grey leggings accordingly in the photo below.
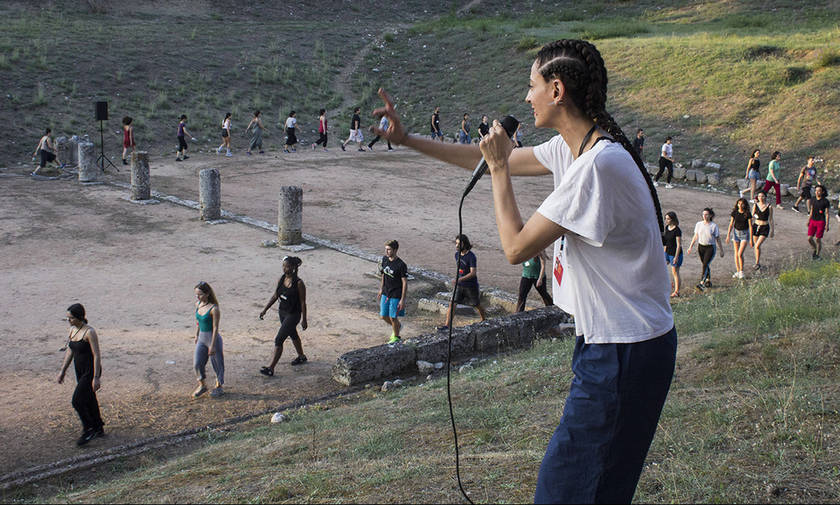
(208, 342)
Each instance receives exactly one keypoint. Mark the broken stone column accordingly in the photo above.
(289, 215)
(141, 187)
(88, 169)
(210, 194)
(62, 147)
(74, 151)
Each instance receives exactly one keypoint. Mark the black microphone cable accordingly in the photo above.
(449, 351)
(509, 123)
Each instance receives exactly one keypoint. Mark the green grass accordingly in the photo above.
(752, 416)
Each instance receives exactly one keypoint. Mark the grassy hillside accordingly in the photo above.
(722, 77)
(752, 417)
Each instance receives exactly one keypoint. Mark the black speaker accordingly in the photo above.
(102, 111)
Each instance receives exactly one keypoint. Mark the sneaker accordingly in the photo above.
(655, 184)
(779, 207)
(217, 392)
(390, 148)
(178, 159)
(795, 208)
(700, 286)
(262, 152)
(286, 151)
(442, 328)
(219, 150)
(200, 390)
(668, 186)
(361, 150)
(735, 275)
(229, 154)
(708, 283)
(186, 157)
(249, 153)
(757, 267)
(342, 147)
(741, 275)
(299, 360)
(124, 162)
(394, 339)
(86, 437)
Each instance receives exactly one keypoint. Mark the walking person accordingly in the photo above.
(257, 129)
(464, 131)
(483, 127)
(706, 236)
(466, 291)
(434, 125)
(383, 125)
(128, 138)
(753, 174)
(208, 341)
(291, 136)
(182, 138)
(225, 136)
(533, 274)
(355, 131)
(45, 150)
(666, 162)
(83, 352)
(672, 243)
(773, 181)
(763, 225)
(290, 294)
(639, 143)
(613, 282)
(322, 130)
(517, 137)
(741, 230)
(393, 286)
(807, 177)
(817, 220)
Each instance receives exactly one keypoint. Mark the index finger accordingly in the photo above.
(389, 104)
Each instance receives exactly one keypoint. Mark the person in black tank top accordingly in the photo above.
(83, 351)
(763, 226)
(291, 295)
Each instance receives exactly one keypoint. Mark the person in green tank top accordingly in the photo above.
(533, 274)
(208, 342)
(773, 180)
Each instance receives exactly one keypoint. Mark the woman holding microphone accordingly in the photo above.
(609, 273)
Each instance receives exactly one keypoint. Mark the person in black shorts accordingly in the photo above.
(483, 128)
(466, 292)
(46, 150)
(182, 140)
(763, 226)
(392, 288)
(291, 294)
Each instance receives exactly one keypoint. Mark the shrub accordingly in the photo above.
(828, 59)
(796, 75)
(527, 42)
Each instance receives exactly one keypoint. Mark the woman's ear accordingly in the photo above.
(558, 91)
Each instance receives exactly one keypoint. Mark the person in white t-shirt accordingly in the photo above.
(608, 274)
(666, 162)
(706, 234)
(291, 137)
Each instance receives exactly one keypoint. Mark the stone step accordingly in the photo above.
(439, 305)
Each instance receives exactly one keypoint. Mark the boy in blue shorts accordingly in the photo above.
(392, 288)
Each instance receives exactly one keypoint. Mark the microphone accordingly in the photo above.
(510, 124)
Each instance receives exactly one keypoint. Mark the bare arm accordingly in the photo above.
(93, 339)
(269, 304)
(216, 316)
(691, 245)
(720, 246)
(519, 241)
(68, 358)
(542, 269)
(772, 223)
(729, 230)
(302, 294)
(679, 249)
(520, 161)
(401, 304)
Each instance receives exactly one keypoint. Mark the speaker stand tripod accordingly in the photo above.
(102, 158)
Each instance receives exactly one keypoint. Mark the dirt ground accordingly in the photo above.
(134, 268)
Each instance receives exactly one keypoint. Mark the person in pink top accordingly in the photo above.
(322, 129)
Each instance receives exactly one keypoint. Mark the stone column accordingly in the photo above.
(289, 215)
(74, 151)
(88, 169)
(141, 188)
(210, 194)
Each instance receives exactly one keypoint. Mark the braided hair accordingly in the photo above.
(293, 262)
(580, 68)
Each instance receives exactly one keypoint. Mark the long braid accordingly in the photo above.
(581, 68)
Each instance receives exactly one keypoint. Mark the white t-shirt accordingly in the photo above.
(667, 150)
(607, 271)
(706, 233)
(291, 122)
(383, 123)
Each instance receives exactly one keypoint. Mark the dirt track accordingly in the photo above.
(134, 268)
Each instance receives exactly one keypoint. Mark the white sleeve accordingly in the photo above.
(553, 154)
(583, 203)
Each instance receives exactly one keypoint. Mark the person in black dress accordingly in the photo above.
(83, 351)
(291, 294)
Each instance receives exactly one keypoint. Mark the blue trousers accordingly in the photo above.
(597, 452)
